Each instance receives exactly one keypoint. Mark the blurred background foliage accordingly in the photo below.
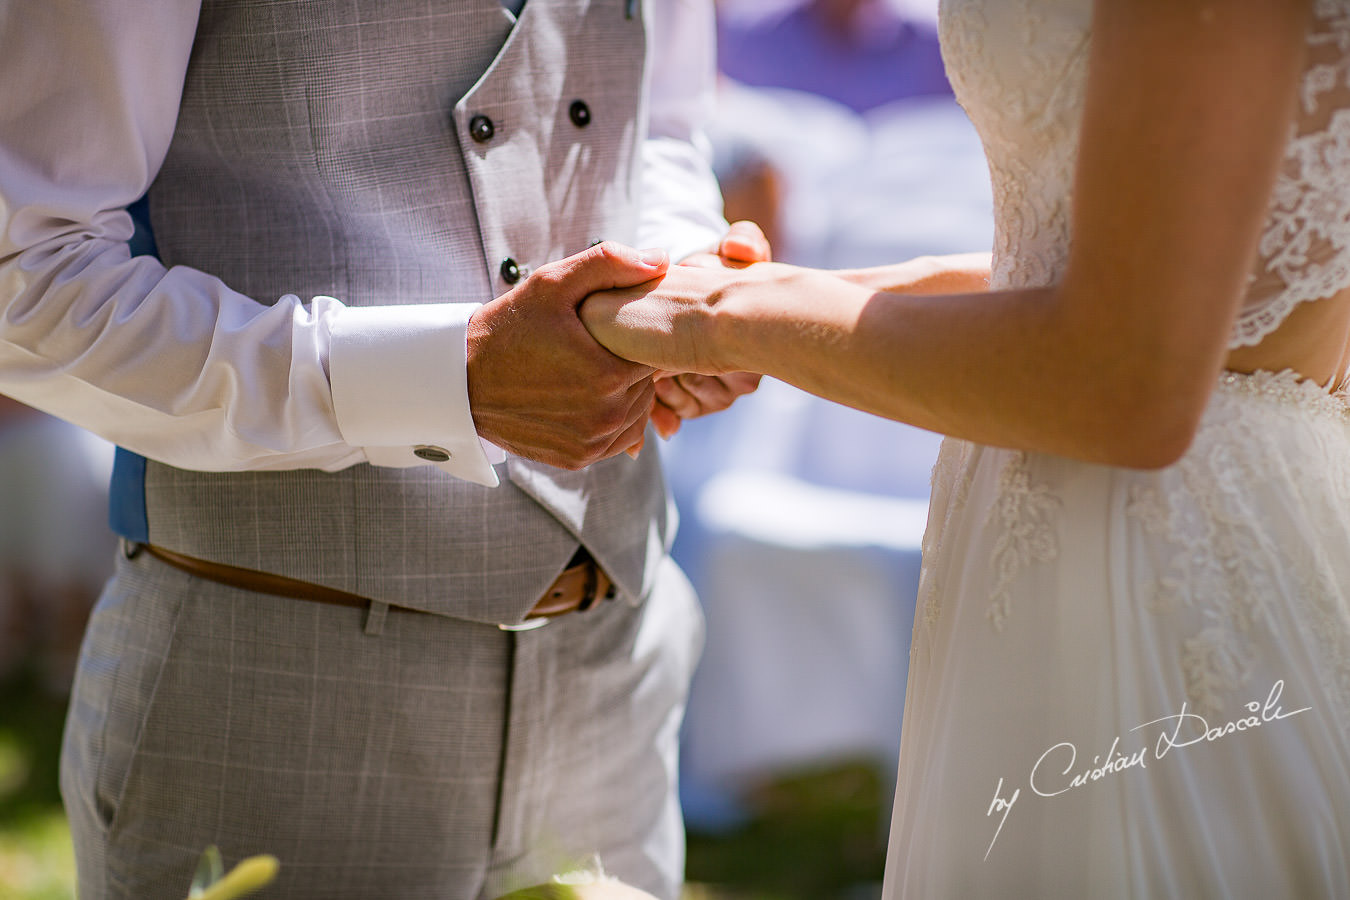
(36, 860)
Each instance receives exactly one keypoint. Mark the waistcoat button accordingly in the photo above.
(430, 453)
(481, 129)
(510, 271)
(579, 113)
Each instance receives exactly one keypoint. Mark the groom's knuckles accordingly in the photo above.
(631, 437)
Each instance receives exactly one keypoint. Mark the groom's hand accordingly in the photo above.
(539, 385)
(689, 395)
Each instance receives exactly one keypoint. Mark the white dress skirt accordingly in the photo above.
(1132, 683)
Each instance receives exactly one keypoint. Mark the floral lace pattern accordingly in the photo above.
(1304, 253)
(1019, 68)
(1018, 100)
(1236, 532)
(1025, 511)
(950, 490)
(1227, 562)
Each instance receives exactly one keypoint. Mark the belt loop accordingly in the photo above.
(375, 618)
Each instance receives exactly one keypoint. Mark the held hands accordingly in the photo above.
(539, 386)
(689, 395)
(677, 325)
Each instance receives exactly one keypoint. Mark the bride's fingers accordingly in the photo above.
(745, 243)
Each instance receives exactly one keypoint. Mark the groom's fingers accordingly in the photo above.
(602, 267)
(630, 438)
(690, 396)
(665, 420)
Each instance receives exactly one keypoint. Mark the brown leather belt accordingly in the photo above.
(575, 590)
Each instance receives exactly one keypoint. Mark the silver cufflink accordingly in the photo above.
(431, 453)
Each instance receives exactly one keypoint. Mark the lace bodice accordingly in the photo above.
(1019, 68)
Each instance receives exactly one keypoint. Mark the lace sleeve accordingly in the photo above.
(1304, 252)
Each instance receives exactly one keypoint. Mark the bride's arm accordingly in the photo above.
(1187, 110)
(956, 273)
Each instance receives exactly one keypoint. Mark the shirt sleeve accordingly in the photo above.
(681, 202)
(172, 363)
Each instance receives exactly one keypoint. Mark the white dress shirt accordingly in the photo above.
(175, 365)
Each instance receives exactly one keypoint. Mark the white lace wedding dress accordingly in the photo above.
(1137, 683)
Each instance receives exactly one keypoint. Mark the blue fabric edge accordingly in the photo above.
(127, 514)
(126, 497)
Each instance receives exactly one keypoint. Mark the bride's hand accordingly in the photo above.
(667, 325)
(688, 395)
(743, 245)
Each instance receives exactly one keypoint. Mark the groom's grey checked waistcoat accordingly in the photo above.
(329, 149)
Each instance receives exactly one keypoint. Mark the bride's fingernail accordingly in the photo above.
(653, 257)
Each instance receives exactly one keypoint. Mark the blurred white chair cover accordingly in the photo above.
(801, 519)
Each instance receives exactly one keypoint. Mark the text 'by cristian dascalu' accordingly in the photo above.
(1058, 770)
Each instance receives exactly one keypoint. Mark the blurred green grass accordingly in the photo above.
(817, 834)
(814, 834)
(36, 861)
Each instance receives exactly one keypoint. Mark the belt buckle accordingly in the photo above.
(527, 625)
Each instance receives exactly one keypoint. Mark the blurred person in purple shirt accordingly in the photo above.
(860, 53)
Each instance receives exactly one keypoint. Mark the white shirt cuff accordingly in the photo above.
(400, 388)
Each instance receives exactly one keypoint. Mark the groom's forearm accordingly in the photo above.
(956, 273)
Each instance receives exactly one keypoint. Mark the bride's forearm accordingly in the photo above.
(956, 273)
(1021, 369)
(1074, 371)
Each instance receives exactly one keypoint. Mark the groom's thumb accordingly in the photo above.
(610, 265)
